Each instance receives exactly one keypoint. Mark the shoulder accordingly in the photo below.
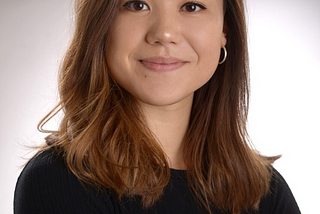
(47, 186)
(280, 199)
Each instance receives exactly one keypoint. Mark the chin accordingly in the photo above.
(163, 101)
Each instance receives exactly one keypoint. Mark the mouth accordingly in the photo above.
(162, 64)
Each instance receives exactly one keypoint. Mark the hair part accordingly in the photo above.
(106, 142)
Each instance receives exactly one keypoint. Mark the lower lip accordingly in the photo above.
(162, 66)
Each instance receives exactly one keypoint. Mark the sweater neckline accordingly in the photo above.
(178, 173)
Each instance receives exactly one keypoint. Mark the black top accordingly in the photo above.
(46, 186)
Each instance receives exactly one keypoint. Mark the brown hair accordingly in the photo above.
(106, 142)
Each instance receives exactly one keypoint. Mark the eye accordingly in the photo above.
(136, 5)
(193, 7)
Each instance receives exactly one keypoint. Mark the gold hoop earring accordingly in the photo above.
(225, 55)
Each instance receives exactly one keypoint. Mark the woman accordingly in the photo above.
(155, 97)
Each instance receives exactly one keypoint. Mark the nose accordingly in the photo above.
(164, 29)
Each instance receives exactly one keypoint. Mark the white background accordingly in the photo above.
(284, 115)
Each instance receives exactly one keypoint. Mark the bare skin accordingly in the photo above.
(169, 124)
(161, 52)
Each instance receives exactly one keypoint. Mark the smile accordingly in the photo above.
(162, 64)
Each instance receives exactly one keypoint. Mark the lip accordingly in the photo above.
(162, 63)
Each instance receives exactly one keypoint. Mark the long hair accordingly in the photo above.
(106, 142)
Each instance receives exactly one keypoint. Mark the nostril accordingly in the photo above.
(164, 35)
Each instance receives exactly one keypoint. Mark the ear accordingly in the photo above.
(224, 35)
(223, 39)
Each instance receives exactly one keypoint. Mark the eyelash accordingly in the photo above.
(194, 3)
(129, 5)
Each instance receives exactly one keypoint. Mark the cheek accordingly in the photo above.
(125, 38)
(207, 48)
(209, 44)
(119, 49)
(206, 43)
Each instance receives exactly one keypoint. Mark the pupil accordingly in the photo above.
(138, 6)
(191, 7)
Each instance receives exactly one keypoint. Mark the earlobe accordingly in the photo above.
(223, 39)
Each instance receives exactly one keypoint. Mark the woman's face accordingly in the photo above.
(161, 51)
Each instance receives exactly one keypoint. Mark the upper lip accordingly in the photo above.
(162, 60)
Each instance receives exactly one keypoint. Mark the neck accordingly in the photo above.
(169, 125)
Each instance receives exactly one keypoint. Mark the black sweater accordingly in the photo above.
(46, 186)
